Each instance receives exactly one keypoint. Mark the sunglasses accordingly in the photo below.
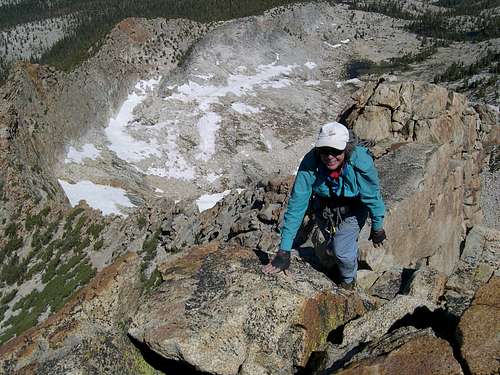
(326, 151)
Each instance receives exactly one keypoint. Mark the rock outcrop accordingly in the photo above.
(218, 312)
(479, 261)
(430, 147)
(478, 330)
(403, 352)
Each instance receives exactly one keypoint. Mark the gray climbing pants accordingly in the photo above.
(343, 245)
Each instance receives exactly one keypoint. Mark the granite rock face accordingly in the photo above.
(429, 148)
(480, 260)
(405, 353)
(478, 330)
(218, 312)
(427, 283)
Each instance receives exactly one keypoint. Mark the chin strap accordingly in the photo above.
(281, 260)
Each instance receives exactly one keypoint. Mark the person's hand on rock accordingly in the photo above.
(280, 262)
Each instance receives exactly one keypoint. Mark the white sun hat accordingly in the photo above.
(333, 135)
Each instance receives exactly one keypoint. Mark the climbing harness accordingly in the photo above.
(333, 218)
(333, 211)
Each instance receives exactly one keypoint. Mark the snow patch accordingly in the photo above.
(244, 109)
(175, 166)
(207, 129)
(238, 84)
(212, 177)
(208, 201)
(353, 81)
(121, 142)
(311, 65)
(345, 41)
(204, 77)
(267, 142)
(108, 199)
(88, 151)
(312, 83)
(333, 45)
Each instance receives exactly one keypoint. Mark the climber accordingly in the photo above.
(343, 182)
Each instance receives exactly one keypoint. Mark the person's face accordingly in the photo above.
(331, 157)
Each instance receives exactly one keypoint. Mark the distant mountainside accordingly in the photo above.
(65, 33)
(84, 24)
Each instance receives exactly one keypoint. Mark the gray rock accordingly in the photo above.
(388, 284)
(428, 284)
(375, 324)
(479, 261)
(366, 278)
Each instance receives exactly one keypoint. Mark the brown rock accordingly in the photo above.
(386, 95)
(478, 330)
(374, 123)
(425, 355)
(429, 168)
(424, 210)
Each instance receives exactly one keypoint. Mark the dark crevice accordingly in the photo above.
(462, 243)
(263, 256)
(337, 335)
(406, 276)
(166, 366)
(363, 265)
(315, 363)
(345, 115)
(443, 324)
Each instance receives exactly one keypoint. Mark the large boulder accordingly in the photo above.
(424, 194)
(478, 330)
(377, 323)
(427, 283)
(405, 351)
(218, 313)
(429, 158)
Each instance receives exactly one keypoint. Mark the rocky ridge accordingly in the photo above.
(431, 146)
(193, 314)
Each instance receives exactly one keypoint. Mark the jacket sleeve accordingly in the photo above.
(369, 187)
(298, 202)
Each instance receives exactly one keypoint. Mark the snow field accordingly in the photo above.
(105, 198)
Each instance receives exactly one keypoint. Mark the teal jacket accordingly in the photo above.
(359, 179)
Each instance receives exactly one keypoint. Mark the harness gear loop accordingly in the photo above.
(333, 216)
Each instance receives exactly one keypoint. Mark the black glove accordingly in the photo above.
(377, 237)
(281, 260)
